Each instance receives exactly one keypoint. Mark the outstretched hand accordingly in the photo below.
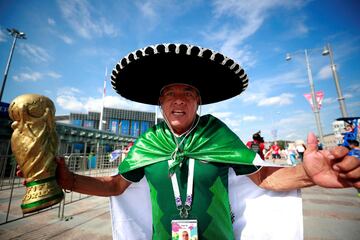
(64, 177)
(331, 168)
(20, 174)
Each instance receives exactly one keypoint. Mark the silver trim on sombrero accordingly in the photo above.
(177, 51)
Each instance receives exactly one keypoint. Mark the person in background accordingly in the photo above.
(354, 148)
(275, 151)
(355, 152)
(291, 153)
(320, 145)
(300, 149)
(257, 144)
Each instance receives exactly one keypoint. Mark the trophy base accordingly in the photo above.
(41, 194)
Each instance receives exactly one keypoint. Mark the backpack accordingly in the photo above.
(255, 147)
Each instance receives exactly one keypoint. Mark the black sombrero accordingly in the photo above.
(142, 74)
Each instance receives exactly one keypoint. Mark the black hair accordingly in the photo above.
(353, 142)
(257, 137)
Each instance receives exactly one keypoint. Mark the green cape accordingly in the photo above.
(210, 141)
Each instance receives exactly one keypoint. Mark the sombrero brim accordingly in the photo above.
(142, 74)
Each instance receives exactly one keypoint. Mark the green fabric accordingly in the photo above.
(210, 201)
(211, 140)
(158, 229)
(38, 182)
(43, 201)
(219, 209)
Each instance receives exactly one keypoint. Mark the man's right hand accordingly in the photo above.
(64, 177)
(20, 174)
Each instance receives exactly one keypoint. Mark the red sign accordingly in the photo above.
(319, 96)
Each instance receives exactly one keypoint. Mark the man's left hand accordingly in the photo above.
(331, 168)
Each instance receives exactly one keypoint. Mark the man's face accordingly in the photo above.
(179, 103)
(185, 235)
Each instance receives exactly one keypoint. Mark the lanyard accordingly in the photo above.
(183, 209)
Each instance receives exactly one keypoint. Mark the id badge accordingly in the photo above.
(185, 229)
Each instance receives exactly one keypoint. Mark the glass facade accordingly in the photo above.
(88, 123)
(118, 121)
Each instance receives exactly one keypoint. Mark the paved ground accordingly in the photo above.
(328, 215)
(331, 214)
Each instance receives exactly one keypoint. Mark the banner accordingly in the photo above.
(115, 155)
(114, 126)
(88, 123)
(144, 126)
(124, 127)
(319, 96)
(135, 130)
(76, 122)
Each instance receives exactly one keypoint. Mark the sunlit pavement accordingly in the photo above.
(331, 213)
(328, 214)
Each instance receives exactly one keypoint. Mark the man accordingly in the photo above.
(275, 151)
(186, 158)
(354, 151)
(185, 235)
(257, 144)
(354, 148)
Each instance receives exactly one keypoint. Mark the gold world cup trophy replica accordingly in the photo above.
(34, 143)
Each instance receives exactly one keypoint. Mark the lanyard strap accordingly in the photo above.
(183, 209)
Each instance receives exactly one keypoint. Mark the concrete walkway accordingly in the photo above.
(329, 214)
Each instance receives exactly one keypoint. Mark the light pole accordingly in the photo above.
(328, 51)
(313, 98)
(16, 34)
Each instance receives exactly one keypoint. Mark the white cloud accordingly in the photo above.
(66, 39)
(70, 103)
(3, 36)
(152, 13)
(251, 118)
(85, 20)
(295, 78)
(283, 99)
(296, 28)
(259, 90)
(75, 100)
(354, 88)
(68, 91)
(295, 127)
(301, 28)
(146, 8)
(328, 101)
(34, 53)
(250, 15)
(251, 97)
(233, 123)
(30, 76)
(54, 75)
(35, 76)
(222, 114)
(51, 22)
(52, 30)
(324, 73)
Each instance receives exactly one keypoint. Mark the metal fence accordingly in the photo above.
(12, 188)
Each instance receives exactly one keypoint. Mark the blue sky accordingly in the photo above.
(70, 43)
